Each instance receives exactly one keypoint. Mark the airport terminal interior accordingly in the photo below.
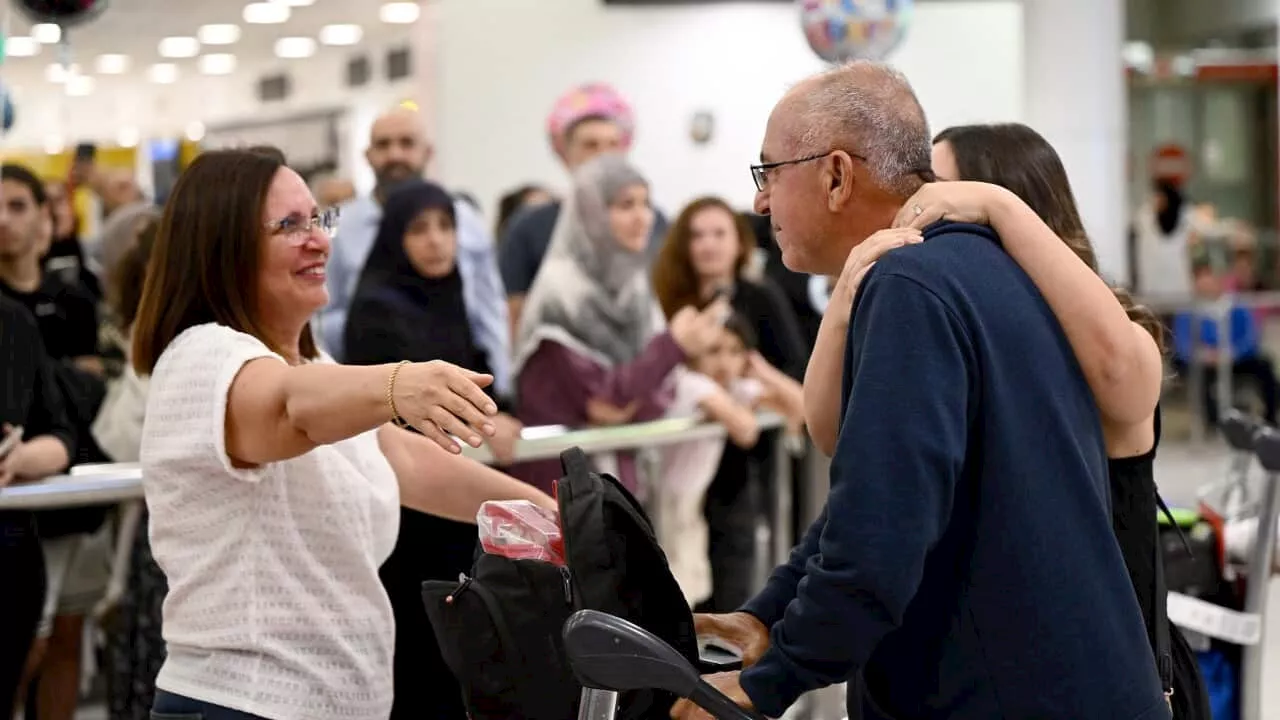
(600, 206)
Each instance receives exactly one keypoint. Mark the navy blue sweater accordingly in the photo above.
(965, 561)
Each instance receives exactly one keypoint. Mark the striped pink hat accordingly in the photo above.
(584, 101)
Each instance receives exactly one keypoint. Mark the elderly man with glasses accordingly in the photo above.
(964, 566)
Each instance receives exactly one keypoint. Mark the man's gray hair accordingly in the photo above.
(869, 109)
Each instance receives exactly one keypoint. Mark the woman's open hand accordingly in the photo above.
(959, 201)
(860, 261)
(444, 401)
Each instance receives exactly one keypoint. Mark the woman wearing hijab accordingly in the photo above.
(411, 304)
(585, 122)
(592, 348)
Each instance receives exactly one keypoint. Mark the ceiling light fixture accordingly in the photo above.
(22, 46)
(340, 34)
(46, 33)
(111, 64)
(163, 73)
(266, 13)
(399, 13)
(217, 64)
(293, 48)
(195, 131)
(127, 137)
(79, 85)
(218, 34)
(58, 73)
(179, 47)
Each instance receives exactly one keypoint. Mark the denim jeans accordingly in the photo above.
(176, 707)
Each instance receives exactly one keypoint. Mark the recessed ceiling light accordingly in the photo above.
(266, 13)
(217, 64)
(46, 33)
(399, 13)
(163, 73)
(179, 47)
(195, 131)
(79, 85)
(22, 46)
(58, 73)
(340, 34)
(220, 34)
(127, 137)
(111, 64)
(292, 48)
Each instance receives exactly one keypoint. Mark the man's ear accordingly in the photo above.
(838, 180)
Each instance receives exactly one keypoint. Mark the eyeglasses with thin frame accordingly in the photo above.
(760, 172)
(297, 229)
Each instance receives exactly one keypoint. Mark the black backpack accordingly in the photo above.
(499, 629)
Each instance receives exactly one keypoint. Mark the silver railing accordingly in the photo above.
(1219, 312)
(116, 483)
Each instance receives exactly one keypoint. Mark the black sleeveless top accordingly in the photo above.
(1134, 509)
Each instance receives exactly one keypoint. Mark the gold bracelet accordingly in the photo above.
(391, 395)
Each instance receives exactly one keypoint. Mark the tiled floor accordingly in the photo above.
(1181, 470)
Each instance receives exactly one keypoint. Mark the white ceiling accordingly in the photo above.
(135, 28)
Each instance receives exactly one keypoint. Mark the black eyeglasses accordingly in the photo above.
(760, 173)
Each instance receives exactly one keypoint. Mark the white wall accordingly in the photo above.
(502, 63)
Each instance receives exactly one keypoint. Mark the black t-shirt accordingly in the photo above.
(29, 393)
(66, 260)
(66, 315)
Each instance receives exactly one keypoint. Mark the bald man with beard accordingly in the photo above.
(398, 151)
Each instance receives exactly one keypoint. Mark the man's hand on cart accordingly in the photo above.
(727, 683)
(742, 630)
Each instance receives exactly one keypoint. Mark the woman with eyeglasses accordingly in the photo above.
(274, 477)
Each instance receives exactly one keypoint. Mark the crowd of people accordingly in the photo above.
(295, 379)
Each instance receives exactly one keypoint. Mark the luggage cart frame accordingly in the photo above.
(1250, 442)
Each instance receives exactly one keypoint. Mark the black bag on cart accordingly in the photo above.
(499, 629)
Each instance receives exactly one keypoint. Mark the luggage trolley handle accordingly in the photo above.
(1241, 433)
(610, 655)
(1267, 447)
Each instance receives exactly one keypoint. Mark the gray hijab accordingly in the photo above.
(119, 232)
(591, 294)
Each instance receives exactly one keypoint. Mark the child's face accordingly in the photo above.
(1207, 283)
(726, 359)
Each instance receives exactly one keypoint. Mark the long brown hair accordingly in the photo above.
(1018, 158)
(675, 284)
(207, 254)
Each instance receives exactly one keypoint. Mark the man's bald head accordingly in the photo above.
(842, 151)
(868, 109)
(397, 150)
